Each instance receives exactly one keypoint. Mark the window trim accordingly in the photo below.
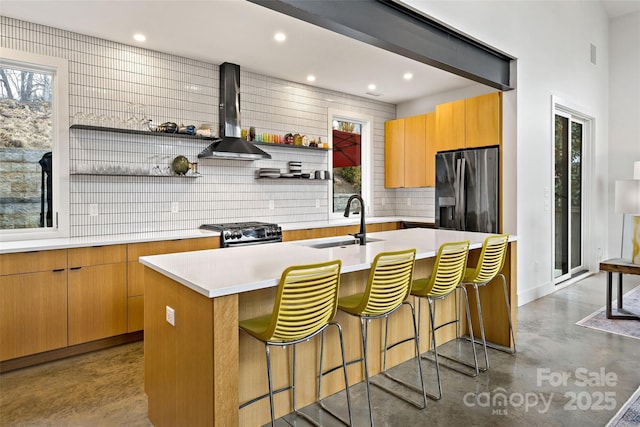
(366, 156)
(59, 68)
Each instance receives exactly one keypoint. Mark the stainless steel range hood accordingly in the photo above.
(231, 145)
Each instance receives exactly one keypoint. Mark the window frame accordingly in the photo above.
(59, 69)
(366, 156)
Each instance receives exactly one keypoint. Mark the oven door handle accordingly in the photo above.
(259, 242)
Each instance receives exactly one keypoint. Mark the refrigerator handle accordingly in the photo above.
(456, 194)
(462, 190)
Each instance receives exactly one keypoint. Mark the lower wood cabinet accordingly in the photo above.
(33, 313)
(97, 302)
(97, 287)
(316, 233)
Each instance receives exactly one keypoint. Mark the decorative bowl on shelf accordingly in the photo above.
(180, 165)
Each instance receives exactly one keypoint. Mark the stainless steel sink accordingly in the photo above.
(339, 243)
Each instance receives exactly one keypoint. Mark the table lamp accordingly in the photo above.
(627, 201)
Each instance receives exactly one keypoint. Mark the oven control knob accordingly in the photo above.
(238, 234)
(268, 232)
(227, 236)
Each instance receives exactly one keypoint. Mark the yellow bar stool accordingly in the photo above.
(448, 271)
(387, 290)
(490, 263)
(305, 305)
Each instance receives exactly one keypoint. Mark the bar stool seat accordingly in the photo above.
(306, 304)
(490, 264)
(387, 290)
(448, 271)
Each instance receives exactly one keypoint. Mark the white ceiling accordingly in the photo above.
(237, 31)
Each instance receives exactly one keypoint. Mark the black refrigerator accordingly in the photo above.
(467, 190)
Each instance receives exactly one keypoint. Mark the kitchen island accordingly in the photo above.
(198, 369)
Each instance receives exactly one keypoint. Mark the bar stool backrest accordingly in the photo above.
(448, 269)
(494, 251)
(307, 300)
(389, 282)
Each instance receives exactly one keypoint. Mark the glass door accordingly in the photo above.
(568, 203)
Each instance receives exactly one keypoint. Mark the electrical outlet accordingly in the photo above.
(272, 205)
(171, 316)
(384, 201)
(317, 203)
(93, 209)
(174, 207)
(408, 201)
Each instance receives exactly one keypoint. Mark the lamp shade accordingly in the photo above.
(628, 196)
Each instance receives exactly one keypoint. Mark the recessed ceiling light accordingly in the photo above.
(139, 37)
(280, 37)
(408, 76)
(311, 78)
(372, 86)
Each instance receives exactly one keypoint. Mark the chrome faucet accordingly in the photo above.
(362, 235)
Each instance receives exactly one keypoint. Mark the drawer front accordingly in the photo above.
(136, 250)
(97, 255)
(30, 262)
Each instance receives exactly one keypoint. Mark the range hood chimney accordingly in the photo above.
(230, 145)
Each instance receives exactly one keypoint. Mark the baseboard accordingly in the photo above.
(535, 293)
(62, 353)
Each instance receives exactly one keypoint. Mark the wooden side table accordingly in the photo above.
(620, 266)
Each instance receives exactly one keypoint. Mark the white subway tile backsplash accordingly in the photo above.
(107, 77)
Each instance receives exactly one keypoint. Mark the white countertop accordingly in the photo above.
(220, 272)
(75, 242)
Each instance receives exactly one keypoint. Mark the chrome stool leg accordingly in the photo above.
(346, 379)
(416, 339)
(482, 336)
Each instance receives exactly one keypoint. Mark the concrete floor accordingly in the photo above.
(106, 388)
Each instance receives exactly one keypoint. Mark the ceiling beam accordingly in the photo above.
(397, 28)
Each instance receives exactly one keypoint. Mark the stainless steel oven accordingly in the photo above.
(245, 233)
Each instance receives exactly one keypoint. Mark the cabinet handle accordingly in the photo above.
(57, 270)
(75, 268)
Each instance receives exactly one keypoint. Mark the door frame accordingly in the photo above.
(589, 250)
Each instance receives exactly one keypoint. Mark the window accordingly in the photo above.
(350, 159)
(33, 147)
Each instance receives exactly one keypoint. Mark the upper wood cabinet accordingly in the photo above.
(469, 123)
(415, 151)
(450, 126)
(483, 120)
(394, 153)
(408, 153)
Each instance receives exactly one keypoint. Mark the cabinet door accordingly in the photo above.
(33, 313)
(415, 152)
(430, 143)
(450, 124)
(97, 302)
(483, 120)
(394, 153)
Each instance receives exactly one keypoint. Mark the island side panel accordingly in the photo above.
(191, 369)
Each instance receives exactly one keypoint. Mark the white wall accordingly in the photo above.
(551, 41)
(624, 112)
